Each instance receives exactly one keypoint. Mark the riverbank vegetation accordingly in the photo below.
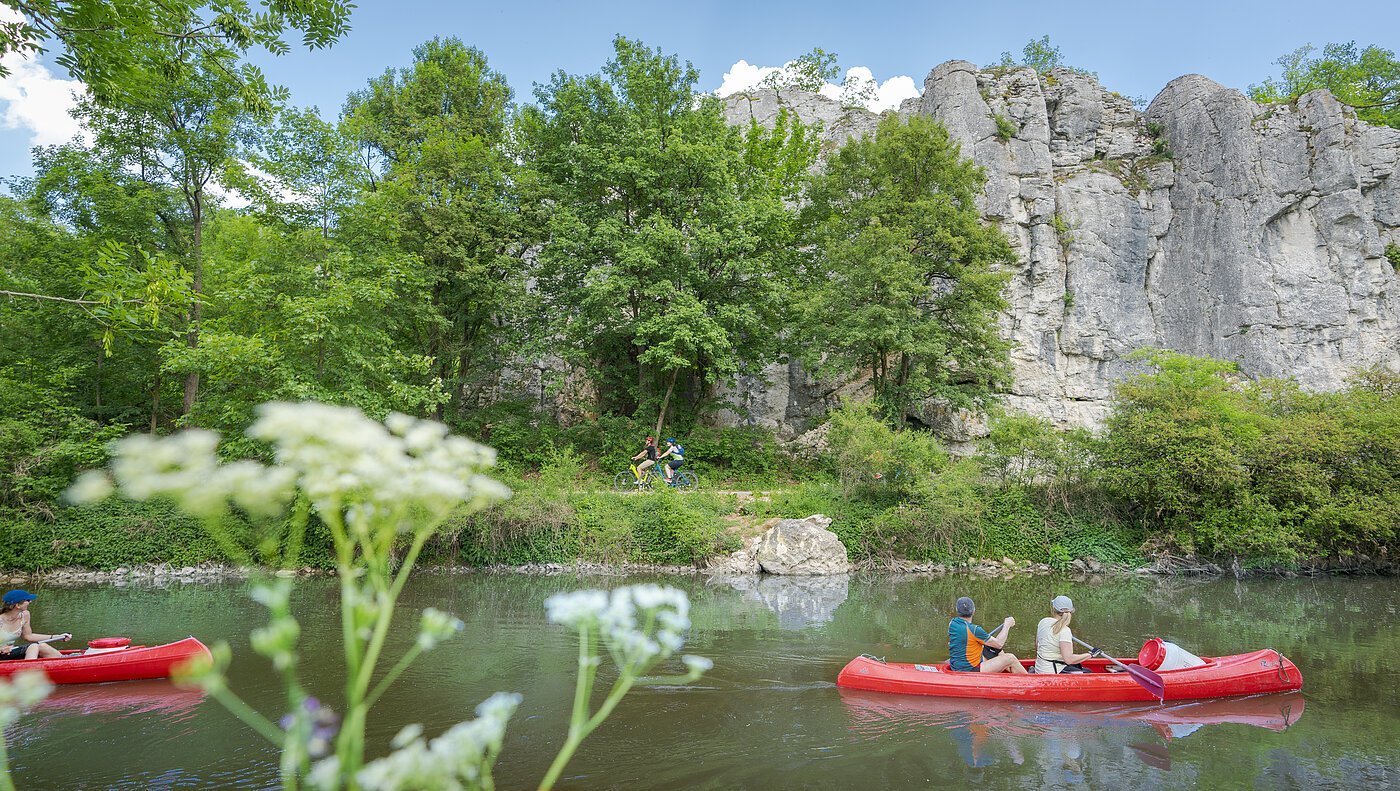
(561, 278)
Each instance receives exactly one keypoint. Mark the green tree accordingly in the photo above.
(669, 238)
(105, 43)
(435, 133)
(1041, 55)
(177, 132)
(1366, 79)
(906, 263)
(807, 72)
(292, 314)
(299, 172)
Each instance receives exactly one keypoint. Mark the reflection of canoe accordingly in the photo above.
(876, 710)
(126, 664)
(1242, 674)
(130, 697)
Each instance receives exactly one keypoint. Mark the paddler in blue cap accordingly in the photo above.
(14, 626)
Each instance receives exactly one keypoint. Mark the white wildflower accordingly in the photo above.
(409, 733)
(437, 626)
(576, 609)
(697, 664)
(90, 487)
(20, 692)
(456, 759)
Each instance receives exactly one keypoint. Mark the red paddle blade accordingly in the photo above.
(1147, 680)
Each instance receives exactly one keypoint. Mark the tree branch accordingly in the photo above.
(79, 302)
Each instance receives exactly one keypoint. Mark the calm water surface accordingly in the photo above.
(769, 714)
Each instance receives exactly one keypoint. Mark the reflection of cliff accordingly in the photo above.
(1209, 225)
(799, 602)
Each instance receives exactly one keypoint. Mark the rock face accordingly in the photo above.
(801, 547)
(1209, 225)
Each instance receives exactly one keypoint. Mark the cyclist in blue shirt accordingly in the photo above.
(677, 455)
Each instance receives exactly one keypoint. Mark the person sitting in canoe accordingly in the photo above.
(14, 626)
(966, 641)
(1054, 642)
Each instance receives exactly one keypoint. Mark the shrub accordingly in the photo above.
(742, 451)
(1006, 128)
(1392, 254)
(873, 460)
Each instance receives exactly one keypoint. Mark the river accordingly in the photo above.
(769, 714)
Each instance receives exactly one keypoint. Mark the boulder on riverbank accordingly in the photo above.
(802, 547)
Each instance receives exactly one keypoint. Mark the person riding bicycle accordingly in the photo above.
(647, 456)
(677, 456)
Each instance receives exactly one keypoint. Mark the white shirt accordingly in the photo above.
(1047, 645)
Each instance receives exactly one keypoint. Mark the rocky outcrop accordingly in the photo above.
(801, 547)
(1210, 225)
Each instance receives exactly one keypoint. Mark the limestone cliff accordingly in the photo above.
(1209, 224)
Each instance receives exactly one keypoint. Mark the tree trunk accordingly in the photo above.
(197, 290)
(155, 402)
(665, 402)
(97, 383)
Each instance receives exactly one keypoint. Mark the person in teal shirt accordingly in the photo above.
(966, 641)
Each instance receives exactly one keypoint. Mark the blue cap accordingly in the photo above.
(671, 440)
(965, 607)
(17, 596)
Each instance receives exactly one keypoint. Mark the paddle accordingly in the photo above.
(1145, 678)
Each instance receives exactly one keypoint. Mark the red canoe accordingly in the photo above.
(126, 664)
(1225, 676)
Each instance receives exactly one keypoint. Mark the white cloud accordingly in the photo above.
(34, 100)
(743, 76)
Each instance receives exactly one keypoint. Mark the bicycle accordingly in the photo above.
(630, 480)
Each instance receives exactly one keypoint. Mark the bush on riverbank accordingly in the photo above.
(105, 536)
(553, 517)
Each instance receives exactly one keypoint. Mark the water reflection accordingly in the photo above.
(122, 698)
(799, 602)
(1058, 736)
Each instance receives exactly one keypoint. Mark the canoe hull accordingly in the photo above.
(128, 664)
(1255, 673)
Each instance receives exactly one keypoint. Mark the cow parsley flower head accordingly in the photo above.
(640, 624)
(400, 476)
(459, 758)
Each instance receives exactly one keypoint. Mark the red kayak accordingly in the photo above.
(111, 659)
(1225, 676)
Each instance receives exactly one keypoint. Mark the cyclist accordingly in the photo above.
(647, 456)
(677, 456)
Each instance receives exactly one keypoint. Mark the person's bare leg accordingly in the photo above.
(47, 651)
(1005, 663)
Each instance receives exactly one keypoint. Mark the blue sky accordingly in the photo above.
(1136, 48)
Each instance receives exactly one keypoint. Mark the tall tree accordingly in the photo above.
(104, 43)
(177, 131)
(668, 231)
(436, 133)
(905, 286)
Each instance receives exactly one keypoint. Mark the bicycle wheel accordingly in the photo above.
(624, 482)
(686, 479)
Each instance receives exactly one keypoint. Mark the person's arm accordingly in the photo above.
(1068, 656)
(639, 456)
(29, 634)
(1000, 639)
